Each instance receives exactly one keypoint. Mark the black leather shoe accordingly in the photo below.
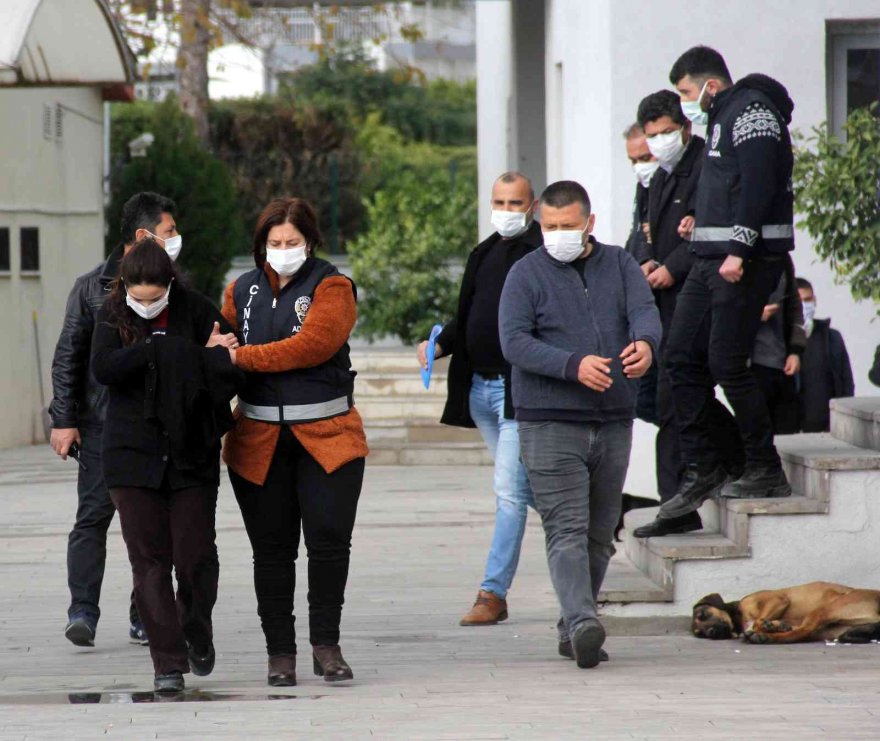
(758, 482)
(566, 651)
(587, 641)
(282, 670)
(328, 663)
(697, 485)
(662, 526)
(201, 663)
(171, 682)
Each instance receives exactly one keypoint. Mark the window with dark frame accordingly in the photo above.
(5, 265)
(29, 237)
(854, 69)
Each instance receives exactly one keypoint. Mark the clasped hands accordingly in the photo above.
(229, 341)
(595, 372)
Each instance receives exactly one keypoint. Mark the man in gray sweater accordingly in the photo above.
(578, 324)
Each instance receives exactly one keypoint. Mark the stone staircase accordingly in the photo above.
(401, 417)
(829, 529)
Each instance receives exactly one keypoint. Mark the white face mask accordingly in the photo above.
(148, 312)
(173, 245)
(286, 262)
(566, 245)
(667, 148)
(645, 171)
(510, 224)
(809, 315)
(694, 111)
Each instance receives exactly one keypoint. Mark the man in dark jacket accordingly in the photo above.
(671, 203)
(825, 369)
(78, 409)
(743, 227)
(579, 326)
(479, 382)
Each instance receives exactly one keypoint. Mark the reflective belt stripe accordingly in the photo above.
(725, 233)
(295, 412)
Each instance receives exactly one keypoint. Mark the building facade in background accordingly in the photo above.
(59, 62)
(559, 81)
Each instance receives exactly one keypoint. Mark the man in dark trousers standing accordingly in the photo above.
(671, 203)
(743, 227)
(78, 409)
(479, 382)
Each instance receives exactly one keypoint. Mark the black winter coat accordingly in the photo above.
(169, 397)
(453, 341)
(78, 399)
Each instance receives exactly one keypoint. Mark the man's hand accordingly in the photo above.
(423, 353)
(62, 438)
(686, 227)
(661, 278)
(637, 358)
(769, 311)
(792, 365)
(646, 230)
(232, 354)
(648, 267)
(595, 373)
(731, 269)
(221, 340)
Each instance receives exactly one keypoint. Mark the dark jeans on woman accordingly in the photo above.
(711, 340)
(298, 492)
(164, 528)
(87, 543)
(577, 470)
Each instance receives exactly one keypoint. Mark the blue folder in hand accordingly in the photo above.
(429, 353)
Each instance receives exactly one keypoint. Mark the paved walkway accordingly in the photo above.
(418, 555)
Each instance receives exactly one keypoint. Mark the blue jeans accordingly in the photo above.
(513, 495)
(577, 470)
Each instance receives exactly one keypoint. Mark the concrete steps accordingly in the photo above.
(828, 529)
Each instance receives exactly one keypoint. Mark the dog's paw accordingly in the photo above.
(756, 637)
(774, 626)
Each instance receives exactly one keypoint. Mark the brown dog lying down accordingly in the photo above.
(819, 611)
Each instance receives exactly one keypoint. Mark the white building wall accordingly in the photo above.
(55, 185)
(604, 56)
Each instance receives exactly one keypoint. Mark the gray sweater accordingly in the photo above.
(553, 314)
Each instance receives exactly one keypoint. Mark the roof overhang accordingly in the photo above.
(74, 42)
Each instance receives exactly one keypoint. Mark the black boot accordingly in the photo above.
(201, 662)
(758, 482)
(171, 682)
(698, 484)
(669, 526)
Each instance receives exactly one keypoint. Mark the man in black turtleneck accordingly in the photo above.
(479, 382)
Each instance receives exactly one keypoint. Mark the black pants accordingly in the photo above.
(780, 392)
(87, 542)
(297, 491)
(711, 340)
(164, 528)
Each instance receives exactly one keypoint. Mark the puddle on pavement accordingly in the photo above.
(125, 698)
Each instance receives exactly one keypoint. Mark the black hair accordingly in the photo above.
(143, 211)
(563, 193)
(700, 63)
(804, 283)
(659, 104)
(145, 264)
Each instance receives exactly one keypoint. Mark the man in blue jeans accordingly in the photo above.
(479, 382)
(578, 324)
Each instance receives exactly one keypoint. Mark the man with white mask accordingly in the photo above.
(578, 325)
(479, 382)
(644, 165)
(671, 203)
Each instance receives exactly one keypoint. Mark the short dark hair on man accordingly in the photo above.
(804, 283)
(660, 104)
(143, 211)
(701, 63)
(563, 193)
(633, 131)
(511, 176)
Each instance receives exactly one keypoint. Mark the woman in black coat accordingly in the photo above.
(161, 350)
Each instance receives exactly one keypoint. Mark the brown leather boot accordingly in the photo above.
(489, 609)
(282, 670)
(328, 663)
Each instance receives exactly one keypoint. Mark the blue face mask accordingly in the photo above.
(694, 111)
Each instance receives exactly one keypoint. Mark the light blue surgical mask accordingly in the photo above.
(693, 110)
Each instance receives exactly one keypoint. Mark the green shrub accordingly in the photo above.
(421, 228)
(178, 167)
(837, 191)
